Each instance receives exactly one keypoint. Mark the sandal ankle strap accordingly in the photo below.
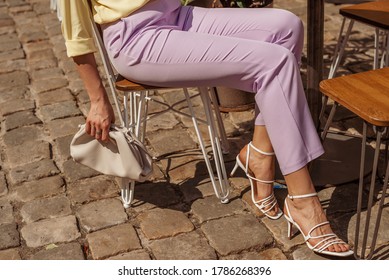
(302, 195)
(260, 151)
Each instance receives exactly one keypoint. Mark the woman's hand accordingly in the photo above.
(100, 118)
(101, 114)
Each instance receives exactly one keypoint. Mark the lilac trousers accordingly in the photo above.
(256, 50)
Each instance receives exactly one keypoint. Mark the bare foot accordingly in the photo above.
(307, 213)
(261, 167)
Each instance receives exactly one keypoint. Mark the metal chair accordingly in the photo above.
(367, 95)
(136, 98)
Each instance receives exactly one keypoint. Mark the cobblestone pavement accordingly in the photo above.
(54, 208)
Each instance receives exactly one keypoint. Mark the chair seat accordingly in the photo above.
(127, 85)
(365, 94)
(372, 13)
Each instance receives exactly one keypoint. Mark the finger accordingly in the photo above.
(88, 127)
(105, 133)
(98, 133)
(92, 130)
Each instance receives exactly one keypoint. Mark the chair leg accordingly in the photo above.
(127, 192)
(385, 50)
(376, 48)
(221, 129)
(221, 190)
(340, 46)
(370, 198)
(329, 121)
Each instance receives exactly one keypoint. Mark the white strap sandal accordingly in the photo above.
(327, 239)
(268, 203)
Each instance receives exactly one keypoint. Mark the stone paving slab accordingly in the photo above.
(151, 195)
(19, 119)
(14, 106)
(133, 255)
(101, 214)
(68, 251)
(45, 187)
(9, 236)
(236, 233)
(75, 171)
(36, 151)
(3, 185)
(46, 208)
(63, 229)
(210, 208)
(6, 213)
(269, 254)
(10, 254)
(91, 189)
(21, 135)
(186, 246)
(33, 171)
(112, 241)
(161, 223)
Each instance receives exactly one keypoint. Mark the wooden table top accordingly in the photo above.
(365, 94)
(372, 13)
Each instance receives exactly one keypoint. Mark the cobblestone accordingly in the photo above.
(269, 254)
(19, 119)
(36, 151)
(46, 208)
(160, 223)
(44, 85)
(10, 254)
(210, 208)
(92, 189)
(14, 106)
(21, 135)
(187, 246)
(9, 94)
(9, 236)
(6, 213)
(112, 241)
(59, 110)
(64, 127)
(134, 255)
(101, 214)
(3, 185)
(236, 233)
(53, 96)
(69, 251)
(148, 196)
(75, 171)
(13, 79)
(166, 142)
(45, 187)
(63, 229)
(33, 171)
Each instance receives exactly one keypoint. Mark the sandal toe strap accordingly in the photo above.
(269, 201)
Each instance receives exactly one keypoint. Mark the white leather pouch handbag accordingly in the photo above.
(122, 156)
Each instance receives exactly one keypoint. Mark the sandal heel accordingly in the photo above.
(234, 169)
(290, 230)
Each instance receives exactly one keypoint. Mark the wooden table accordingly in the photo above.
(315, 34)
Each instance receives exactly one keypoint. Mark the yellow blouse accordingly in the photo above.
(76, 27)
